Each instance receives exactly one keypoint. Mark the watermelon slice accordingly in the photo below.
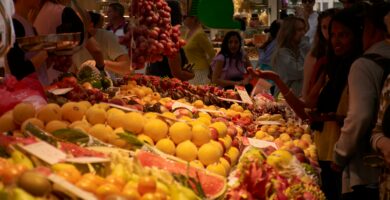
(213, 185)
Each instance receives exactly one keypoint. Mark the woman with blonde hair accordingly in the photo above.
(288, 57)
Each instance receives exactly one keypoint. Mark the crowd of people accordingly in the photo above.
(325, 65)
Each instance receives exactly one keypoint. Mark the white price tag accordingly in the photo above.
(86, 160)
(71, 188)
(268, 123)
(243, 94)
(45, 152)
(177, 104)
(230, 100)
(122, 107)
(61, 91)
(261, 143)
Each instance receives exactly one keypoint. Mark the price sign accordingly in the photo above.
(177, 104)
(261, 143)
(60, 91)
(243, 94)
(45, 152)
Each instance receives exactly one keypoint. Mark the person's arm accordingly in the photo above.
(293, 101)
(121, 65)
(363, 96)
(176, 70)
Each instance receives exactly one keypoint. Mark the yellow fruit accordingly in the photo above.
(285, 137)
(7, 123)
(156, 129)
(260, 135)
(233, 154)
(225, 164)
(114, 111)
(196, 163)
(209, 153)
(23, 111)
(227, 141)
(81, 125)
(115, 140)
(86, 104)
(169, 115)
(198, 104)
(200, 134)
(145, 138)
(206, 121)
(133, 122)
(96, 115)
(101, 131)
(103, 106)
(34, 121)
(186, 151)
(217, 168)
(205, 115)
(49, 113)
(72, 111)
(221, 128)
(115, 119)
(218, 145)
(150, 115)
(180, 132)
(56, 125)
(167, 146)
(279, 158)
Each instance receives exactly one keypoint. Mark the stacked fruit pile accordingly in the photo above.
(152, 33)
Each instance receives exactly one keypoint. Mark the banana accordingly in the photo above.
(19, 158)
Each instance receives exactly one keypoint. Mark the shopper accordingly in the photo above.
(22, 64)
(316, 55)
(360, 181)
(229, 67)
(310, 17)
(116, 21)
(172, 66)
(331, 99)
(198, 49)
(288, 58)
(116, 58)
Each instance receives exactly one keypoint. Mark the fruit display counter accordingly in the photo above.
(154, 138)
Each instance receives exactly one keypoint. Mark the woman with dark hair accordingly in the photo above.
(316, 55)
(230, 65)
(172, 66)
(331, 96)
(21, 63)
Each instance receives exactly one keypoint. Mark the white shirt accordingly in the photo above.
(313, 21)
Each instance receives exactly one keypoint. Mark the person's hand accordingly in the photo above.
(383, 145)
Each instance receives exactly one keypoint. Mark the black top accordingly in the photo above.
(162, 69)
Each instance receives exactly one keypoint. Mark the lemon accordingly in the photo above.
(260, 134)
(86, 104)
(197, 164)
(81, 125)
(101, 131)
(179, 132)
(221, 128)
(114, 111)
(156, 129)
(145, 138)
(200, 134)
(225, 164)
(279, 158)
(72, 111)
(56, 125)
(33, 121)
(186, 151)
(217, 168)
(23, 111)
(133, 122)
(96, 115)
(233, 154)
(209, 153)
(198, 104)
(167, 146)
(150, 115)
(49, 112)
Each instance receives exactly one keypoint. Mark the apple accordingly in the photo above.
(303, 144)
(232, 131)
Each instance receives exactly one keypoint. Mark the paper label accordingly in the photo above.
(177, 104)
(268, 123)
(71, 188)
(261, 143)
(211, 111)
(122, 107)
(86, 160)
(230, 100)
(45, 152)
(243, 94)
(61, 91)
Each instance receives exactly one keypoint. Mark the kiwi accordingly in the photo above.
(34, 183)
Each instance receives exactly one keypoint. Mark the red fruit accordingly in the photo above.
(214, 133)
(146, 184)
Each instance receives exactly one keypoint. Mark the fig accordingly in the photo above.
(34, 183)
